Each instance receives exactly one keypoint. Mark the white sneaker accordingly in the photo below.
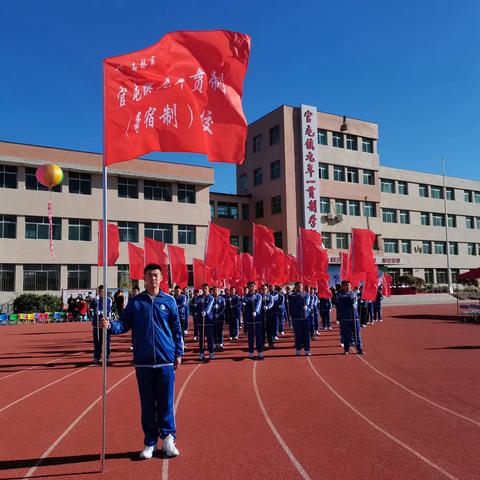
(211, 356)
(195, 339)
(275, 338)
(148, 452)
(250, 355)
(201, 356)
(169, 447)
(307, 353)
(298, 353)
(260, 356)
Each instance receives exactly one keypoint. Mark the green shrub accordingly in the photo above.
(408, 279)
(32, 302)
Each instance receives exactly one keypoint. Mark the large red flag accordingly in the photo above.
(361, 253)
(293, 270)
(276, 274)
(218, 243)
(248, 268)
(263, 249)
(155, 253)
(179, 272)
(370, 286)
(344, 266)
(313, 256)
(113, 243)
(229, 262)
(323, 286)
(201, 274)
(386, 284)
(183, 94)
(136, 259)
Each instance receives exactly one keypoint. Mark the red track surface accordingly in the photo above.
(410, 409)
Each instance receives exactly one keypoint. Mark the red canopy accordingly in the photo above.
(470, 275)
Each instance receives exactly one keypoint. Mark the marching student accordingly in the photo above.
(233, 312)
(377, 306)
(95, 313)
(192, 309)
(267, 318)
(347, 314)
(325, 307)
(252, 320)
(299, 302)
(157, 352)
(205, 325)
(182, 305)
(279, 310)
(219, 318)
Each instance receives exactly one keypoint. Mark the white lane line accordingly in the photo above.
(42, 388)
(38, 366)
(277, 435)
(431, 402)
(380, 429)
(72, 425)
(175, 408)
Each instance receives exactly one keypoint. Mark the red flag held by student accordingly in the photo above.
(218, 242)
(179, 272)
(293, 270)
(386, 284)
(323, 286)
(113, 243)
(155, 253)
(276, 274)
(183, 94)
(229, 261)
(370, 286)
(136, 259)
(248, 268)
(201, 274)
(344, 266)
(361, 254)
(263, 249)
(314, 257)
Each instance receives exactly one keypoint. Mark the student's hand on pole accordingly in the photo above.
(177, 363)
(105, 323)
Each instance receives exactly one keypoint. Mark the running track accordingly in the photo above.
(409, 409)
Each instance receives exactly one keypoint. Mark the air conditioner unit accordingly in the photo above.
(340, 217)
(330, 216)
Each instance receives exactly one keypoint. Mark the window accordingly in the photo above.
(368, 177)
(354, 208)
(477, 223)
(7, 277)
(452, 221)
(8, 226)
(339, 173)
(438, 219)
(243, 183)
(427, 247)
(471, 249)
(187, 235)
(352, 175)
(277, 236)
(389, 215)
(454, 273)
(340, 207)
(424, 218)
(123, 276)
(8, 177)
(322, 137)
(387, 186)
(41, 277)
(259, 209)
(402, 188)
(450, 193)
(436, 192)
(442, 275)
(128, 231)
(245, 211)
(37, 228)
(79, 229)
(163, 232)
(80, 183)
(324, 205)
(245, 244)
(369, 209)
(274, 135)
(227, 210)
(153, 190)
(404, 217)
(212, 209)
(257, 143)
(31, 182)
(342, 241)
(468, 196)
(275, 170)
(367, 145)
(352, 142)
(127, 187)
(234, 240)
(439, 248)
(477, 197)
(423, 190)
(186, 193)
(390, 245)
(406, 246)
(327, 239)
(337, 139)
(429, 275)
(469, 223)
(78, 276)
(323, 170)
(453, 247)
(276, 204)
(258, 176)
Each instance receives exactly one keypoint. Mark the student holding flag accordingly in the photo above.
(205, 323)
(299, 304)
(252, 318)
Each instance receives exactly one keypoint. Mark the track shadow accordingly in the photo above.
(426, 316)
(457, 347)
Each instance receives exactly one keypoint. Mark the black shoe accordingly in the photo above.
(361, 352)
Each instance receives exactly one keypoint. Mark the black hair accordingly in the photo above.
(151, 266)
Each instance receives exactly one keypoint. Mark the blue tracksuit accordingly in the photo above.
(183, 311)
(299, 304)
(253, 320)
(233, 311)
(313, 313)
(204, 307)
(96, 312)
(219, 318)
(269, 315)
(280, 306)
(157, 341)
(192, 310)
(324, 306)
(347, 314)
(377, 306)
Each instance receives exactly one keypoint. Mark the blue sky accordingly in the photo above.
(412, 66)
